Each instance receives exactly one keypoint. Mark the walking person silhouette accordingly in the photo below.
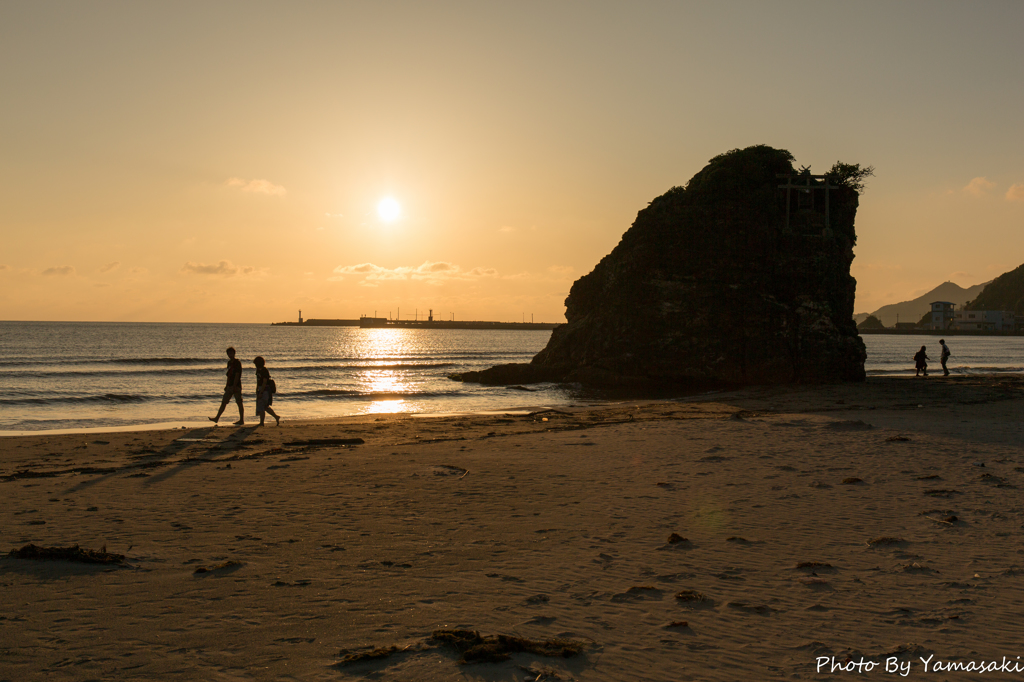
(265, 389)
(233, 389)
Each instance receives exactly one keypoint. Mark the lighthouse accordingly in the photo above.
(300, 317)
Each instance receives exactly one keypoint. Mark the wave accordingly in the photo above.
(214, 396)
(337, 393)
(284, 369)
(71, 374)
(86, 360)
(116, 398)
(937, 369)
(59, 373)
(417, 361)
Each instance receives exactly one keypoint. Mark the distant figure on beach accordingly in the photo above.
(233, 389)
(944, 356)
(265, 389)
(921, 361)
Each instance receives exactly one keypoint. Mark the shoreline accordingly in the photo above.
(176, 425)
(173, 426)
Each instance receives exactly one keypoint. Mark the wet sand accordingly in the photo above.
(754, 534)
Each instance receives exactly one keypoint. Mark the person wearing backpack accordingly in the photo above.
(265, 390)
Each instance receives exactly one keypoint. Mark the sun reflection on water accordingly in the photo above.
(385, 387)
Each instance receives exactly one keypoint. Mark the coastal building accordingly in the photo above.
(984, 320)
(942, 315)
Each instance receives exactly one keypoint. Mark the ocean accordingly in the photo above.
(80, 375)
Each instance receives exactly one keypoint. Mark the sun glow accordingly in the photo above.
(389, 209)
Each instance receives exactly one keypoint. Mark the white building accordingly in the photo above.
(984, 320)
(942, 315)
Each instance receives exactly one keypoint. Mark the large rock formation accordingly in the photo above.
(718, 282)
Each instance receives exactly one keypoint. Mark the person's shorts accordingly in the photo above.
(233, 392)
(263, 401)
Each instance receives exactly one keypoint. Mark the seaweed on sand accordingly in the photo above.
(491, 649)
(73, 553)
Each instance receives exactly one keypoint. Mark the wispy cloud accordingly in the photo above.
(429, 272)
(1016, 192)
(979, 187)
(4, 267)
(111, 266)
(562, 271)
(257, 186)
(506, 228)
(60, 271)
(224, 268)
(876, 267)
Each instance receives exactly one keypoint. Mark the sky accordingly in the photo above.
(227, 161)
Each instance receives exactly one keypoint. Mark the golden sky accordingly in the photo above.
(225, 161)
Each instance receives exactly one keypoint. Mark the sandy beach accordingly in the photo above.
(753, 534)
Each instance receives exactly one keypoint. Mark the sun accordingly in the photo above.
(389, 209)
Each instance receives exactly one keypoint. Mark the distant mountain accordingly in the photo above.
(913, 311)
(1005, 292)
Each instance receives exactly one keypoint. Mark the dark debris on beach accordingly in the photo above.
(73, 553)
(473, 647)
(476, 648)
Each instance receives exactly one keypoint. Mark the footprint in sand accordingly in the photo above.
(638, 592)
(226, 567)
(759, 609)
(886, 541)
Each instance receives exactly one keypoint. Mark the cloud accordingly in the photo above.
(961, 275)
(62, 271)
(138, 270)
(257, 186)
(111, 266)
(4, 267)
(562, 271)
(506, 228)
(1016, 192)
(876, 267)
(224, 268)
(979, 187)
(428, 272)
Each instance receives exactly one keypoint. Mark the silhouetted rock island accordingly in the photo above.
(740, 277)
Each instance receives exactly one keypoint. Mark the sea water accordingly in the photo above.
(893, 354)
(79, 375)
(76, 375)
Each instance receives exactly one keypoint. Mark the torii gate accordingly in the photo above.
(822, 183)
